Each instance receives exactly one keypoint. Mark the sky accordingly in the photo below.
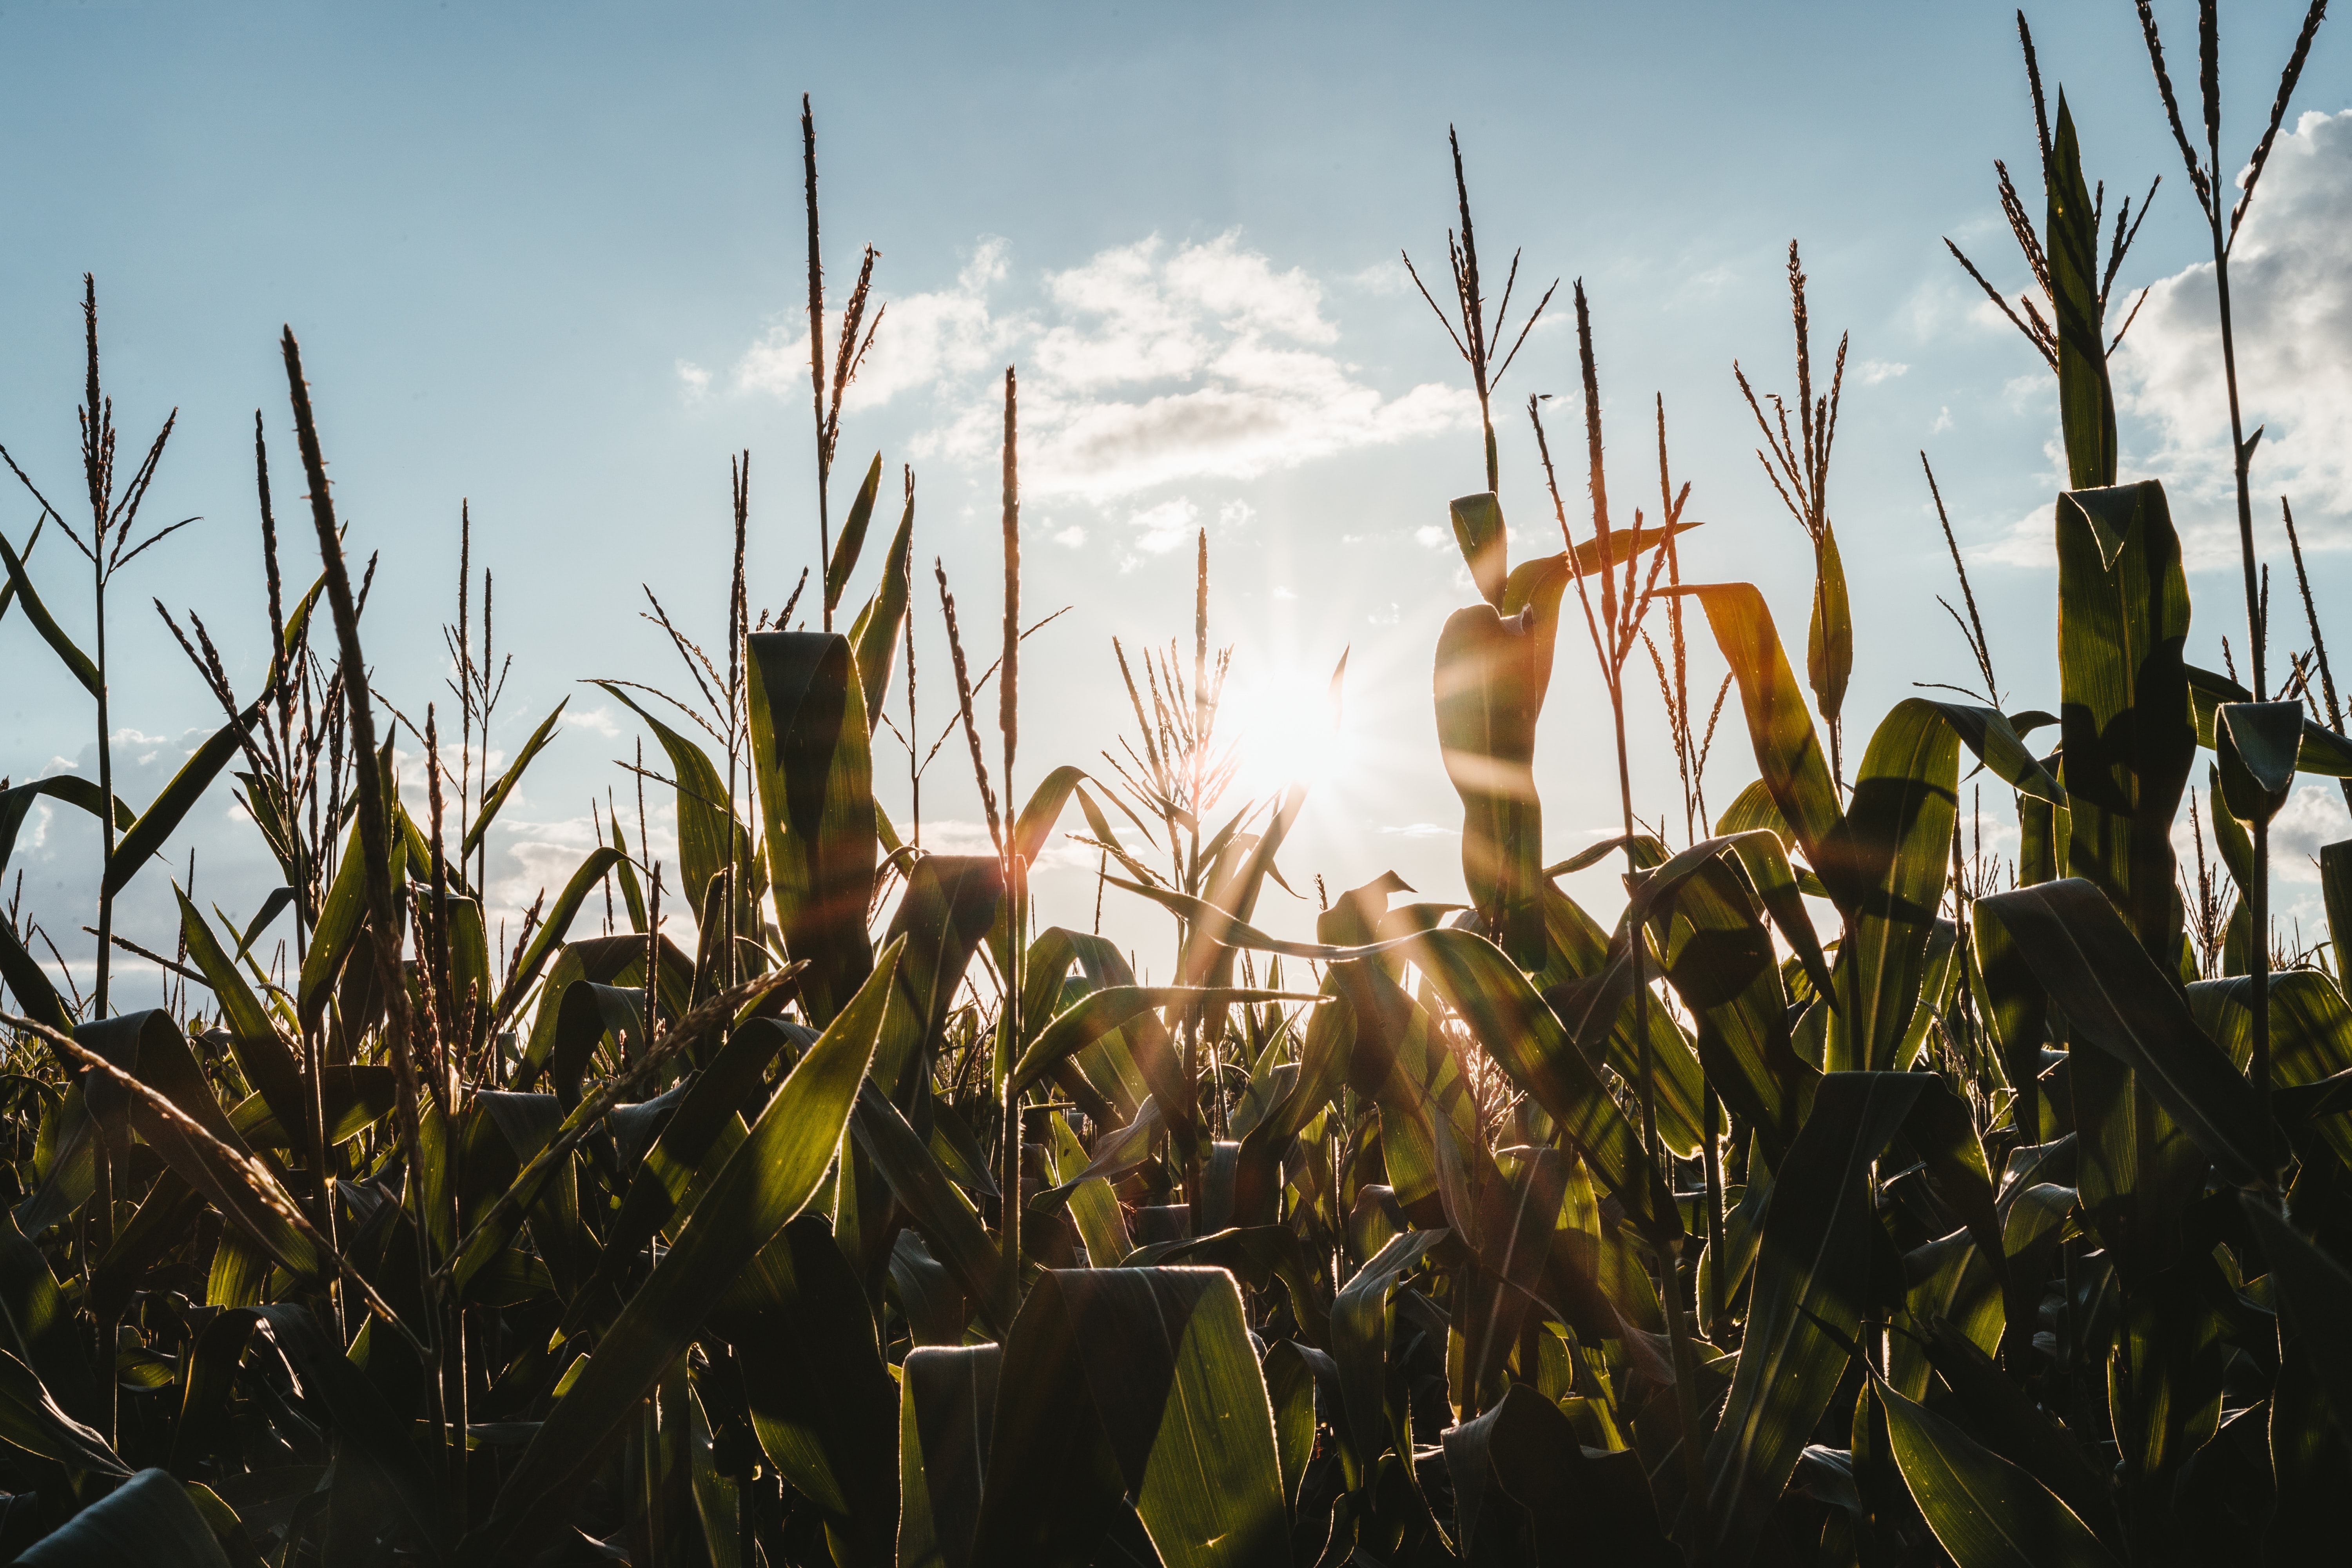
(547, 263)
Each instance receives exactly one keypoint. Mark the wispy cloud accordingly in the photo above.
(1148, 365)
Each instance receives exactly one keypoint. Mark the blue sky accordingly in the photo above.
(547, 259)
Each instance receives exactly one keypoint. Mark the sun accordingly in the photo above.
(1281, 722)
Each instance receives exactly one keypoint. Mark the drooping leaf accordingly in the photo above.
(2258, 744)
(1488, 698)
(76, 661)
(1788, 753)
(1480, 529)
(704, 815)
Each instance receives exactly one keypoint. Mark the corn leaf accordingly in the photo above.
(764, 1183)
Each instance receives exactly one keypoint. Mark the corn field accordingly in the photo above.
(1850, 1197)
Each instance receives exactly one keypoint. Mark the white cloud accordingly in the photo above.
(1236, 514)
(1160, 528)
(1942, 421)
(2313, 815)
(922, 339)
(1873, 371)
(1431, 537)
(1144, 366)
(697, 379)
(2291, 296)
(1071, 537)
(2032, 541)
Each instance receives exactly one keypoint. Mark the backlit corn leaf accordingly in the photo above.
(1985, 1512)
(1134, 1382)
(811, 757)
(1488, 696)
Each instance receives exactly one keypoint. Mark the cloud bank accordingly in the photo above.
(2290, 301)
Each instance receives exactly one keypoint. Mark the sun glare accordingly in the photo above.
(1281, 722)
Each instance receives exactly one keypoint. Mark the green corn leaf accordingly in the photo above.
(824, 1407)
(208, 1375)
(149, 1519)
(2315, 1290)
(69, 788)
(1888, 860)
(934, 1204)
(1115, 1008)
(879, 626)
(1141, 1383)
(1812, 1279)
(76, 661)
(945, 913)
(811, 757)
(704, 815)
(2116, 999)
(375, 1441)
(1985, 1512)
(851, 540)
(550, 933)
(1528, 1040)
(1361, 1326)
(1988, 732)
(1582, 1504)
(340, 919)
(947, 1407)
(8, 588)
(496, 797)
(1485, 541)
(268, 1066)
(150, 1048)
(2125, 714)
(1720, 959)
(2087, 402)
(30, 984)
(2258, 744)
(1829, 639)
(2005, 1419)
(1788, 753)
(155, 824)
(1488, 696)
(41, 1323)
(32, 1420)
(765, 1182)
(662, 1184)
